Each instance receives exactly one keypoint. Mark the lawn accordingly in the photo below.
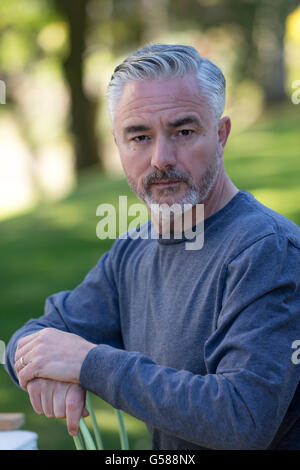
(52, 248)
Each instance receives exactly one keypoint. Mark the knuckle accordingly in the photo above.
(45, 332)
(32, 388)
(39, 350)
(21, 377)
(44, 386)
(72, 405)
(19, 345)
(39, 382)
(39, 342)
(37, 366)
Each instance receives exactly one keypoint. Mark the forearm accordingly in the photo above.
(69, 311)
(206, 410)
(89, 311)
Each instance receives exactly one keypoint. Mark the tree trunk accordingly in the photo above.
(83, 108)
(269, 32)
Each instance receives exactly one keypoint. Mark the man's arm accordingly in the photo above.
(250, 380)
(91, 311)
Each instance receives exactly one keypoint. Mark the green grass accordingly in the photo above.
(265, 160)
(53, 247)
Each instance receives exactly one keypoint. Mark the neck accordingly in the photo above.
(222, 192)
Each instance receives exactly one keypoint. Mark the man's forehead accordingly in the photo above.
(147, 96)
(168, 87)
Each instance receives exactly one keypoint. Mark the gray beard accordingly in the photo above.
(195, 194)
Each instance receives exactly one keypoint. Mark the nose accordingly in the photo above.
(163, 153)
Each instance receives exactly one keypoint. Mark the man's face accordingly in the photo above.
(168, 141)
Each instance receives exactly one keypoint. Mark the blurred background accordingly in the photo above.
(57, 156)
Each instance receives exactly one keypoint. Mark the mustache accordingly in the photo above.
(163, 175)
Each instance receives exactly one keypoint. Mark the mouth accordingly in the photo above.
(167, 182)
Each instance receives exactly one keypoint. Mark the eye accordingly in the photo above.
(140, 138)
(186, 132)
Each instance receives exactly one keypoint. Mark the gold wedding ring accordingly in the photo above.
(22, 362)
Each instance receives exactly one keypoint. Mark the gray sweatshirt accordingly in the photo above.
(195, 343)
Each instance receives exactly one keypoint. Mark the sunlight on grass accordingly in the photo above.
(281, 200)
(264, 144)
(64, 215)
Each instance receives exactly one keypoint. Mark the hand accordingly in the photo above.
(50, 354)
(58, 400)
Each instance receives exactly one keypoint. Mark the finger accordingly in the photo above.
(25, 355)
(59, 399)
(25, 351)
(75, 401)
(27, 343)
(47, 388)
(23, 361)
(28, 373)
(25, 339)
(24, 342)
(34, 392)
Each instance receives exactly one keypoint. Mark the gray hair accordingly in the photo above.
(168, 61)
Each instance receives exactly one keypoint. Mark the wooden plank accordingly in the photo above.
(11, 421)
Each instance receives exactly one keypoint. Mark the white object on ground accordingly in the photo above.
(18, 440)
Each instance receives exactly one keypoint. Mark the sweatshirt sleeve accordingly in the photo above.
(251, 379)
(91, 311)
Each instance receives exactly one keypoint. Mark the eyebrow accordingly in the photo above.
(183, 121)
(135, 128)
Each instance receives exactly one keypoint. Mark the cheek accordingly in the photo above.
(135, 166)
(195, 155)
(198, 157)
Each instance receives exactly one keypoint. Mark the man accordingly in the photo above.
(196, 343)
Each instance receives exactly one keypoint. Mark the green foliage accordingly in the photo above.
(20, 23)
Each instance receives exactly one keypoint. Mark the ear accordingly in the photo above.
(113, 133)
(224, 128)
